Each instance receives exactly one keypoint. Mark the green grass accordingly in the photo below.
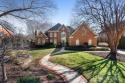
(40, 53)
(94, 68)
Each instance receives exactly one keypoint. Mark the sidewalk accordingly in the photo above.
(71, 75)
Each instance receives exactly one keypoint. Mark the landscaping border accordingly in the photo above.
(61, 75)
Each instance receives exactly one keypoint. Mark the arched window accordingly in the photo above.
(77, 42)
(89, 42)
(43, 41)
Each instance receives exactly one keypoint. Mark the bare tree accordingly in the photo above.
(109, 15)
(33, 25)
(23, 10)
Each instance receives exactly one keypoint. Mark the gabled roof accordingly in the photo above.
(7, 25)
(83, 24)
(71, 29)
(43, 34)
(56, 27)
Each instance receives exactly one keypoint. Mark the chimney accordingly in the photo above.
(35, 32)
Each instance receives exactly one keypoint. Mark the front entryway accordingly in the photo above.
(63, 38)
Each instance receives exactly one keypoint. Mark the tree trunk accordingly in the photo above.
(4, 77)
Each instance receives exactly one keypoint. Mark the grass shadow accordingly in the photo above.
(102, 71)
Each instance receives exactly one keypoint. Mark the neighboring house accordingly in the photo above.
(66, 34)
(41, 38)
(5, 32)
(103, 37)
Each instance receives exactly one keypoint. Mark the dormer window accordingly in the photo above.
(83, 32)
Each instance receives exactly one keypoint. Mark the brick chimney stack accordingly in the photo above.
(35, 32)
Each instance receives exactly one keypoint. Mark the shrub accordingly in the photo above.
(67, 44)
(50, 76)
(59, 45)
(103, 44)
(122, 43)
(32, 44)
(48, 44)
(81, 48)
(29, 79)
(86, 43)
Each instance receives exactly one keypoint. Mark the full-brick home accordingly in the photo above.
(5, 32)
(66, 34)
(40, 38)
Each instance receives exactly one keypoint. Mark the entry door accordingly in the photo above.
(77, 42)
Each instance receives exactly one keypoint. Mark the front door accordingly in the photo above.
(63, 38)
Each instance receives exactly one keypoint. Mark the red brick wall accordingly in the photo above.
(41, 37)
(58, 38)
(66, 31)
(82, 38)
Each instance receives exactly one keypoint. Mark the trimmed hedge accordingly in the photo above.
(82, 48)
(122, 43)
(47, 45)
(29, 79)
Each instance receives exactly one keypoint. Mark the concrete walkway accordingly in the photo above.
(71, 75)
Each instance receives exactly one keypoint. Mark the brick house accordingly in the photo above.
(66, 34)
(40, 38)
(103, 37)
(5, 32)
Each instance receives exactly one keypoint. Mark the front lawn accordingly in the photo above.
(39, 53)
(94, 68)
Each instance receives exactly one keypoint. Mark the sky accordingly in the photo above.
(63, 14)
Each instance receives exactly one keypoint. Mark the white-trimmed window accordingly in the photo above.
(55, 41)
(89, 42)
(55, 34)
(39, 41)
(51, 40)
(83, 32)
(43, 41)
(124, 34)
(51, 34)
(77, 42)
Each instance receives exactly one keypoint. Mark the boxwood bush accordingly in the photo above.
(50, 76)
(82, 48)
(122, 43)
(29, 79)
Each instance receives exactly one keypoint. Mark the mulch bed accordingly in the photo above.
(119, 57)
(14, 72)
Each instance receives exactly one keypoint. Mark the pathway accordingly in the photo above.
(71, 75)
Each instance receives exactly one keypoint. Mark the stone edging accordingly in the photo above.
(61, 75)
